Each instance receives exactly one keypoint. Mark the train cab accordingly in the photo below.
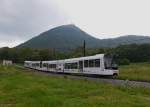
(110, 64)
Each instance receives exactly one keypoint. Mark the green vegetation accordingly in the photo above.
(135, 71)
(133, 52)
(23, 88)
(124, 53)
(124, 62)
(20, 55)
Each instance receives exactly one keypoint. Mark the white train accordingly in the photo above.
(100, 64)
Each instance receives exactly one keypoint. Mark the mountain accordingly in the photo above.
(62, 38)
(67, 37)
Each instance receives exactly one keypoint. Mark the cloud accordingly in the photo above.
(109, 18)
(22, 19)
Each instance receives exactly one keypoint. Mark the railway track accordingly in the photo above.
(95, 79)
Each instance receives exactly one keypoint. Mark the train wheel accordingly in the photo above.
(115, 76)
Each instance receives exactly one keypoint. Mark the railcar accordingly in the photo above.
(28, 64)
(100, 64)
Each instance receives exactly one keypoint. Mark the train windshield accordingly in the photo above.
(110, 62)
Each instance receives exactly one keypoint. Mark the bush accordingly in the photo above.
(124, 61)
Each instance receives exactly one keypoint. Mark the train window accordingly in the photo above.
(97, 62)
(37, 64)
(66, 65)
(74, 66)
(81, 65)
(86, 63)
(91, 63)
(33, 65)
(45, 65)
(71, 66)
(52, 65)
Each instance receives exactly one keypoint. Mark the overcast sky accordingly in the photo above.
(21, 20)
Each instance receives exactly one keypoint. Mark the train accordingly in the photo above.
(99, 64)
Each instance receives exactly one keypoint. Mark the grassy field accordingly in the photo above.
(20, 88)
(135, 71)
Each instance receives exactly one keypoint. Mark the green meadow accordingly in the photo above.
(135, 71)
(23, 88)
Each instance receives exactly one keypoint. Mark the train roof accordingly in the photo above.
(55, 61)
(32, 61)
(27, 61)
(71, 59)
(86, 58)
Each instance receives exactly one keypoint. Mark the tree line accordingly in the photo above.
(19, 55)
(127, 53)
(132, 53)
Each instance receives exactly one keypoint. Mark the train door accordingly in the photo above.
(81, 66)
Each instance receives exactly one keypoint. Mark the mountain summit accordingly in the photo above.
(68, 37)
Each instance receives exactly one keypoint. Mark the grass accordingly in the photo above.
(135, 71)
(22, 88)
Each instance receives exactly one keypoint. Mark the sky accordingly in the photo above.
(20, 20)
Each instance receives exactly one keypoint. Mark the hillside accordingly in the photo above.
(122, 40)
(67, 37)
(62, 38)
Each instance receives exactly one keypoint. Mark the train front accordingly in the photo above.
(110, 65)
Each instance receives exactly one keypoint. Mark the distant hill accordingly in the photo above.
(67, 37)
(122, 40)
